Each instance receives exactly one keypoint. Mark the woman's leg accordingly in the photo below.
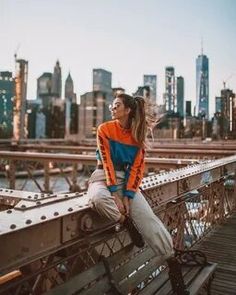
(151, 227)
(102, 200)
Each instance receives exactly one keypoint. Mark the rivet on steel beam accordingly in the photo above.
(65, 196)
(6, 190)
(12, 226)
(35, 197)
(23, 206)
(42, 195)
(43, 217)
(86, 222)
(56, 214)
(28, 221)
(29, 197)
(38, 203)
(70, 209)
(72, 234)
(11, 192)
(9, 211)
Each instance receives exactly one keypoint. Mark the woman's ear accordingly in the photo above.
(128, 110)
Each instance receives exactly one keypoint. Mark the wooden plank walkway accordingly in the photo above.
(220, 247)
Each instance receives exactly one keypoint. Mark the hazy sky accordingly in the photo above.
(127, 37)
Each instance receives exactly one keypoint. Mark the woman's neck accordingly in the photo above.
(124, 123)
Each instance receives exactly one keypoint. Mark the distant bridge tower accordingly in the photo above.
(21, 78)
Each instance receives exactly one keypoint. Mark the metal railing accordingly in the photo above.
(50, 237)
(70, 167)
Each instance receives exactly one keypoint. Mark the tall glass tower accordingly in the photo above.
(180, 95)
(6, 104)
(170, 90)
(202, 84)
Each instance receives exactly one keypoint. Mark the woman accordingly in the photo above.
(114, 185)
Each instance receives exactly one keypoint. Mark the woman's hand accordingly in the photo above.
(119, 203)
(126, 203)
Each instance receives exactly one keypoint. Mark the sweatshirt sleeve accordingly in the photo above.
(135, 175)
(104, 150)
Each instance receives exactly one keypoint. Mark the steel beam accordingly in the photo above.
(39, 224)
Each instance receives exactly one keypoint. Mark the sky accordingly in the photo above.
(130, 38)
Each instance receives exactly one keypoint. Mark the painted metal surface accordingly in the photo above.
(39, 227)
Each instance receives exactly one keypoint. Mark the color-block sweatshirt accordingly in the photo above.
(118, 150)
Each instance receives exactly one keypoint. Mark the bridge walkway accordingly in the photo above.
(220, 247)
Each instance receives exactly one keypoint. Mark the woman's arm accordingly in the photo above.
(135, 174)
(104, 150)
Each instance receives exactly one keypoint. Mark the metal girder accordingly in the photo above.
(36, 225)
(86, 159)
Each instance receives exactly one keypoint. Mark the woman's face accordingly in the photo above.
(118, 110)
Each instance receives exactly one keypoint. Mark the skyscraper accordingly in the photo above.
(202, 86)
(44, 89)
(71, 108)
(20, 99)
(6, 104)
(36, 121)
(102, 80)
(180, 96)
(188, 108)
(170, 90)
(218, 104)
(228, 113)
(151, 81)
(69, 88)
(56, 81)
(92, 112)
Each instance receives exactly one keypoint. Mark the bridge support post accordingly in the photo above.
(46, 177)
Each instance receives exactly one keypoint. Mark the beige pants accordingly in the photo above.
(150, 226)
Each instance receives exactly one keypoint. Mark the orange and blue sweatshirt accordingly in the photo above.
(118, 150)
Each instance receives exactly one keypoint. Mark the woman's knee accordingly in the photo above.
(104, 204)
(99, 200)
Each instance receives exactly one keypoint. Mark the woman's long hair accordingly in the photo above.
(141, 118)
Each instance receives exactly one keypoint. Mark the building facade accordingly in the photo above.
(102, 80)
(44, 89)
(180, 96)
(71, 108)
(36, 120)
(92, 112)
(56, 81)
(21, 78)
(170, 90)
(218, 104)
(6, 104)
(188, 108)
(202, 86)
(69, 88)
(228, 114)
(151, 82)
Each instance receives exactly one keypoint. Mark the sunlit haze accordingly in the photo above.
(130, 38)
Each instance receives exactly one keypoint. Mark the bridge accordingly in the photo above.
(47, 238)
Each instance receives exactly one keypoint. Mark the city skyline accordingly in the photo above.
(128, 38)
